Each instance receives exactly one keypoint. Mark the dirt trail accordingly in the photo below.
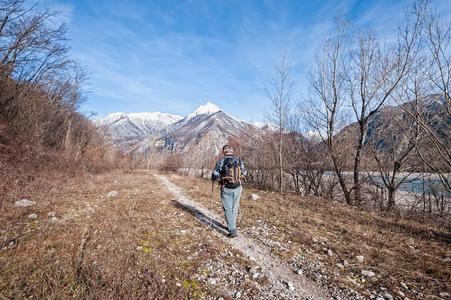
(284, 281)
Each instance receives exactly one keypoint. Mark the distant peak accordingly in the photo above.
(205, 109)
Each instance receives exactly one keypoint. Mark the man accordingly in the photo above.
(230, 170)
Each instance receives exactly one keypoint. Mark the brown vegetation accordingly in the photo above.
(415, 252)
(42, 134)
(82, 244)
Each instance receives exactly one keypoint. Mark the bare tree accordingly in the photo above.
(323, 109)
(436, 120)
(374, 75)
(394, 137)
(279, 91)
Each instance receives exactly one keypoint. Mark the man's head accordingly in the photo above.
(227, 150)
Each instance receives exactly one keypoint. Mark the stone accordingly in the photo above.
(345, 263)
(388, 296)
(444, 295)
(252, 270)
(367, 273)
(51, 214)
(24, 203)
(330, 252)
(290, 285)
(32, 216)
(299, 272)
(238, 294)
(360, 258)
(401, 294)
(404, 286)
(340, 266)
(255, 197)
(112, 194)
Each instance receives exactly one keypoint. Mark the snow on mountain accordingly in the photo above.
(205, 109)
(135, 130)
(207, 127)
(266, 126)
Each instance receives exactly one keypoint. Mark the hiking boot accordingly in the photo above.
(232, 234)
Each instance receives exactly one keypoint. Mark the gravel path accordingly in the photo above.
(285, 284)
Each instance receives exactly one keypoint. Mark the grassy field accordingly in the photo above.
(301, 231)
(140, 244)
(136, 245)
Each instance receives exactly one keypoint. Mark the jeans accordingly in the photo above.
(230, 203)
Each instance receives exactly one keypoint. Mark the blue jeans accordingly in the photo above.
(230, 203)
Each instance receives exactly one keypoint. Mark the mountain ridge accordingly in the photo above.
(207, 125)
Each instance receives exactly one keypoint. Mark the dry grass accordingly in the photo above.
(136, 245)
(397, 250)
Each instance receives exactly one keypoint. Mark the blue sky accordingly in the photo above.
(172, 56)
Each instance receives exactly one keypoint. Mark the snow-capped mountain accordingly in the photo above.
(208, 128)
(135, 130)
(266, 126)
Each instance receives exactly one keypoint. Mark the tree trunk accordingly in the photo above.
(280, 162)
(358, 155)
(391, 199)
(341, 181)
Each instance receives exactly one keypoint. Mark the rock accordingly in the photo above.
(24, 203)
(220, 298)
(289, 285)
(330, 252)
(404, 286)
(367, 273)
(401, 294)
(112, 194)
(340, 266)
(360, 258)
(345, 263)
(444, 295)
(351, 280)
(315, 240)
(252, 270)
(254, 197)
(32, 216)
(178, 284)
(238, 294)
(299, 272)
(51, 214)
(388, 296)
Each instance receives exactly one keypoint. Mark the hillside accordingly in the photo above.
(205, 130)
(136, 235)
(390, 126)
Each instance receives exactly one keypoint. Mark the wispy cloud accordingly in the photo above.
(174, 55)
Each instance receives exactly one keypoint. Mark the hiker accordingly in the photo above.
(230, 170)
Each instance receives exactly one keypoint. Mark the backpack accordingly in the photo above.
(232, 172)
